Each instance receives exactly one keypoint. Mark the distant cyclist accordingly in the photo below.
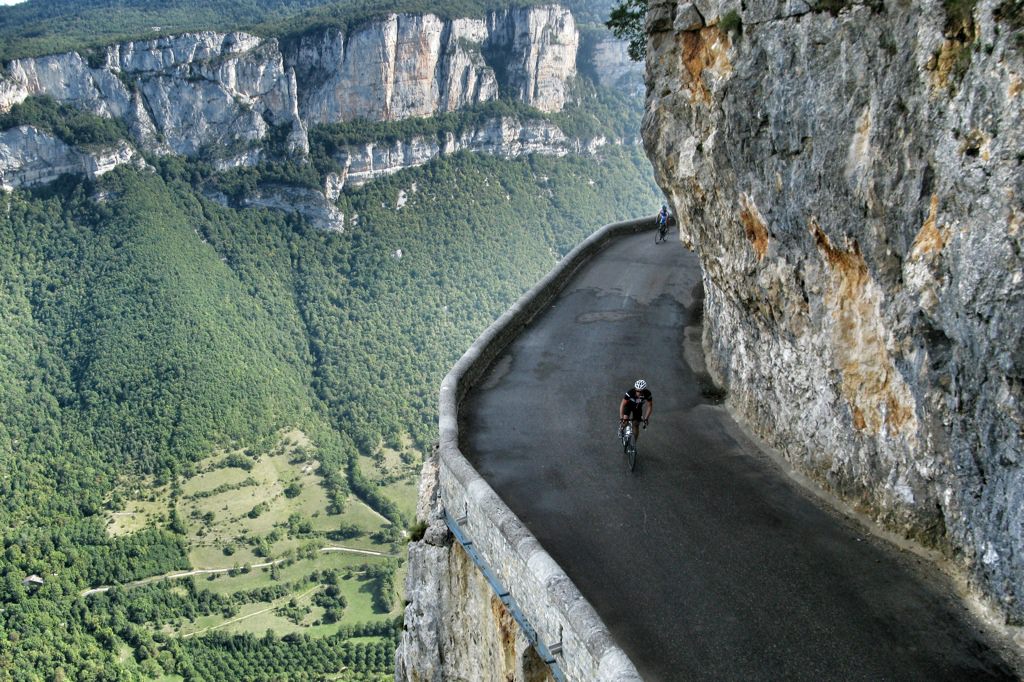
(637, 404)
(662, 224)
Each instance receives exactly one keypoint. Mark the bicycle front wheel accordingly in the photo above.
(631, 455)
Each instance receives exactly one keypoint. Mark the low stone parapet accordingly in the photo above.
(563, 622)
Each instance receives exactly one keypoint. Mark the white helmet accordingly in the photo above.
(640, 384)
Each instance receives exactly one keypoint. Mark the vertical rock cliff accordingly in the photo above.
(851, 175)
(421, 65)
(402, 66)
(534, 71)
(222, 93)
(180, 95)
(29, 157)
(225, 97)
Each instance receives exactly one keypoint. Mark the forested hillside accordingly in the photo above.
(145, 325)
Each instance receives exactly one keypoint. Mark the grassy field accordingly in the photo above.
(258, 520)
(397, 472)
(139, 514)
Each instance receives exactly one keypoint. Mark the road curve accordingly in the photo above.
(708, 562)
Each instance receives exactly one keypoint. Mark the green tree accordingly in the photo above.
(627, 23)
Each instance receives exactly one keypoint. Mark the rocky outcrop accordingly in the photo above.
(29, 157)
(532, 70)
(612, 67)
(185, 94)
(851, 179)
(400, 67)
(219, 95)
(455, 626)
(316, 207)
(505, 136)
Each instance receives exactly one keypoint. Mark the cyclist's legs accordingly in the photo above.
(634, 416)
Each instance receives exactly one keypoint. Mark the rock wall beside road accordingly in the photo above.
(851, 179)
(456, 627)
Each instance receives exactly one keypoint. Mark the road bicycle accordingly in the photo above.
(629, 442)
(662, 231)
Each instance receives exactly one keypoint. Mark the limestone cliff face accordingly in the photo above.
(852, 182)
(178, 95)
(402, 66)
(220, 94)
(505, 136)
(534, 70)
(613, 68)
(421, 65)
(29, 157)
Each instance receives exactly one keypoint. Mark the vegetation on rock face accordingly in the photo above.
(1011, 12)
(73, 126)
(627, 23)
(590, 114)
(36, 28)
(731, 22)
(958, 12)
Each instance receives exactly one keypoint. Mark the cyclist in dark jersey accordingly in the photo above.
(662, 224)
(637, 404)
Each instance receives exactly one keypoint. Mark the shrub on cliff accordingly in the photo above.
(70, 124)
(627, 23)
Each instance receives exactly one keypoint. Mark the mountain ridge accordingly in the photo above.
(231, 96)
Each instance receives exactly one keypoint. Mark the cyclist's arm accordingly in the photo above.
(650, 408)
(622, 410)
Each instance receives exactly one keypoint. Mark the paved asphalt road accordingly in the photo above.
(708, 562)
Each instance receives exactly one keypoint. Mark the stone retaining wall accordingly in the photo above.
(564, 620)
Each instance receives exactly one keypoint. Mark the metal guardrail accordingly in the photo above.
(546, 653)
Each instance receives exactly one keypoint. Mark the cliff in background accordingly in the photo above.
(852, 182)
(201, 90)
(30, 157)
(227, 97)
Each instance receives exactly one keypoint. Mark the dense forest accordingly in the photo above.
(144, 325)
(154, 333)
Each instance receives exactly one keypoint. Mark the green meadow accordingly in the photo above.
(260, 539)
